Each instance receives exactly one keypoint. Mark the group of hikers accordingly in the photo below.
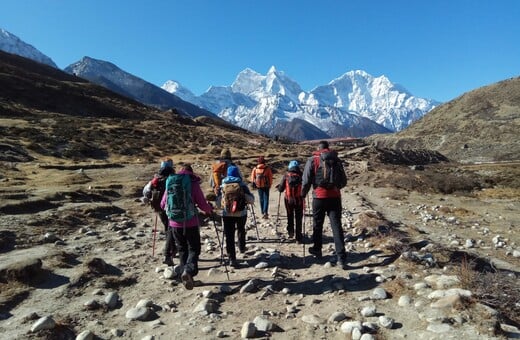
(177, 197)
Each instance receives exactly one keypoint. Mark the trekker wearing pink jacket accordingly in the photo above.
(187, 233)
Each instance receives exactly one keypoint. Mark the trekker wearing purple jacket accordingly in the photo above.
(187, 233)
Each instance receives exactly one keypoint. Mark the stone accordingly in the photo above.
(313, 319)
(265, 325)
(249, 287)
(206, 305)
(348, 326)
(169, 273)
(368, 311)
(136, 313)
(248, 330)
(85, 335)
(439, 327)
(262, 265)
(46, 322)
(386, 321)
(111, 300)
(404, 301)
(144, 303)
(379, 294)
(337, 317)
(446, 302)
(367, 336)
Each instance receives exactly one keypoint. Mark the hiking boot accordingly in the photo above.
(168, 261)
(187, 280)
(291, 235)
(342, 264)
(234, 264)
(315, 252)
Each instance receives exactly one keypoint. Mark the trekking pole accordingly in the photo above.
(303, 235)
(254, 221)
(221, 247)
(278, 213)
(154, 235)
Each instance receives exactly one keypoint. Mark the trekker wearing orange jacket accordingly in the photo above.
(262, 179)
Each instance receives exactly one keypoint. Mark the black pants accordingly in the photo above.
(230, 225)
(331, 207)
(188, 246)
(294, 216)
(169, 247)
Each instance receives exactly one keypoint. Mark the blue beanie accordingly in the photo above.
(293, 164)
(232, 171)
(167, 164)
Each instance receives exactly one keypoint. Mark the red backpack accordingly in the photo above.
(261, 180)
(293, 187)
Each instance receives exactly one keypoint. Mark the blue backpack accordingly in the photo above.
(179, 205)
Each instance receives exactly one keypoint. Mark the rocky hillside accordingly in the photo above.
(480, 126)
(47, 113)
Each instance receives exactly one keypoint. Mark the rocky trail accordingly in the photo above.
(82, 267)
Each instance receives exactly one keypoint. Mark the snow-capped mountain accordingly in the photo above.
(112, 77)
(355, 104)
(12, 44)
(376, 98)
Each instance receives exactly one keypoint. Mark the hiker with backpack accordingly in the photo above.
(291, 184)
(152, 193)
(262, 179)
(219, 170)
(181, 198)
(234, 199)
(324, 172)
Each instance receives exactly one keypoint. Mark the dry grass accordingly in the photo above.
(497, 289)
(499, 193)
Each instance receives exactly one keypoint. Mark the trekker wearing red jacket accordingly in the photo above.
(324, 172)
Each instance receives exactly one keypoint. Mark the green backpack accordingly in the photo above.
(179, 205)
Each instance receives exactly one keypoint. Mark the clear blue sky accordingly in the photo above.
(436, 49)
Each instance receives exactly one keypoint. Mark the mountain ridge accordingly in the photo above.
(110, 75)
(269, 103)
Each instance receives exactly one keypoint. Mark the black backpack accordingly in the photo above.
(158, 187)
(328, 170)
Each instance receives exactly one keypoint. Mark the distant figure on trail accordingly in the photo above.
(180, 200)
(291, 184)
(324, 172)
(262, 179)
(219, 170)
(234, 200)
(152, 193)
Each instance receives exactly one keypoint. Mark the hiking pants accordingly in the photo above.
(294, 214)
(263, 197)
(331, 207)
(230, 224)
(188, 246)
(169, 247)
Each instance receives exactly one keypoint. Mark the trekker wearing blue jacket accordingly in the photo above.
(234, 199)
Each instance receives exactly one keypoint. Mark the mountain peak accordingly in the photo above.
(272, 69)
(12, 44)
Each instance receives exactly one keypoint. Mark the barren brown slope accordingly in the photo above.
(46, 113)
(480, 126)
